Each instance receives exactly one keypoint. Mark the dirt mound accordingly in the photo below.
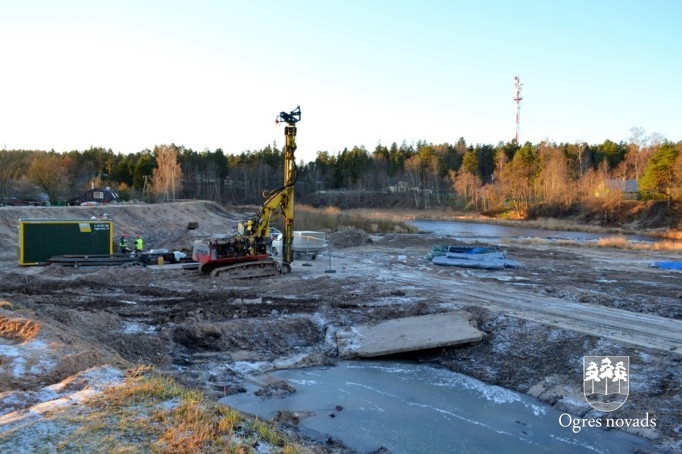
(35, 354)
(349, 238)
(162, 226)
(18, 329)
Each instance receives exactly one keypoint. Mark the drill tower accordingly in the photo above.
(290, 119)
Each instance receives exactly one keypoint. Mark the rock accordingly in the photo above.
(277, 389)
(197, 335)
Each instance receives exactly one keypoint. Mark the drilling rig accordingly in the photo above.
(245, 255)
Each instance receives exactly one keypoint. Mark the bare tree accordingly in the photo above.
(47, 172)
(467, 185)
(553, 180)
(590, 183)
(501, 162)
(516, 178)
(635, 149)
(489, 195)
(167, 176)
(434, 174)
(9, 173)
(413, 167)
(212, 183)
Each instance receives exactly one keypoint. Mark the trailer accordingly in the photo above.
(306, 244)
(41, 239)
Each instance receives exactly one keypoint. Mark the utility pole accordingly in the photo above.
(517, 99)
(145, 188)
(173, 180)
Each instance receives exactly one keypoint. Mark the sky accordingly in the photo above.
(208, 74)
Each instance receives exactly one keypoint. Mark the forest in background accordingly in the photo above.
(507, 180)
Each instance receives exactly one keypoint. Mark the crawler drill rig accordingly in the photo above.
(245, 254)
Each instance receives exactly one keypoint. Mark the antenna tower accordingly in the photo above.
(517, 99)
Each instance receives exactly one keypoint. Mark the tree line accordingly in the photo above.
(507, 176)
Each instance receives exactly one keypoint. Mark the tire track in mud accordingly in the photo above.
(645, 330)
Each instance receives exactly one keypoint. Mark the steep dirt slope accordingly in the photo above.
(161, 225)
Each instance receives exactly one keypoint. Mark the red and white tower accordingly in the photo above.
(517, 99)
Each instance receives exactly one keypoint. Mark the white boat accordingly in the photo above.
(471, 257)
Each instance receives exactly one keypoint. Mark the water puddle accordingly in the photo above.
(417, 408)
(483, 232)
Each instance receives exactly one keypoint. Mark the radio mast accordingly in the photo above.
(517, 99)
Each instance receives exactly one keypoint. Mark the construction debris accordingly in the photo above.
(407, 334)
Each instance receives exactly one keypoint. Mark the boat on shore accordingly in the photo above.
(488, 258)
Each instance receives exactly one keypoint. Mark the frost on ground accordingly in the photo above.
(67, 333)
(23, 409)
(43, 357)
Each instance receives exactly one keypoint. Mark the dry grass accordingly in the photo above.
(333, 219)
(615, 242)
(18, 329)
(673, 236)
(668, 246)
(620, 242)
(565, 225)
(552, 224)
(4, 304)
(152, 413)
(401, 215)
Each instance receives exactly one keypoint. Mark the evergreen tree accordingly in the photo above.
(659, 174)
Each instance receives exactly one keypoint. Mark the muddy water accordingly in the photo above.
(417, 408)
(466, 230)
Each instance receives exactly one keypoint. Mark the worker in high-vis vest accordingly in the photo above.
(123, 244)
(139, 244)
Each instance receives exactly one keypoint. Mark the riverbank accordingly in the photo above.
(634, 218)
(214, 336)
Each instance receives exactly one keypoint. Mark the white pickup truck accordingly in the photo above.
(306, 244)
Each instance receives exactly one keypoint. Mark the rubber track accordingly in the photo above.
(248, 270)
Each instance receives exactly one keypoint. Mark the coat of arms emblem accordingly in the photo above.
(606, 381)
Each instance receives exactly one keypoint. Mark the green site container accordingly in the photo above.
(40, 239)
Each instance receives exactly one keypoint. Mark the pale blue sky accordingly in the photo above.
(128, 75)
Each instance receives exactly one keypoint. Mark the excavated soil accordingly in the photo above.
(214, 334)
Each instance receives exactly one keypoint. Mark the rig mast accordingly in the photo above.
(517, 99)
(290, 176)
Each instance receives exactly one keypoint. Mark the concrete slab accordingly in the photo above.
(407, 334)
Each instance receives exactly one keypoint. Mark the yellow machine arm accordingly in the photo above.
(245, 255)
(282, 198)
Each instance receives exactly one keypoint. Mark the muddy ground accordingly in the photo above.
(565, 301)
